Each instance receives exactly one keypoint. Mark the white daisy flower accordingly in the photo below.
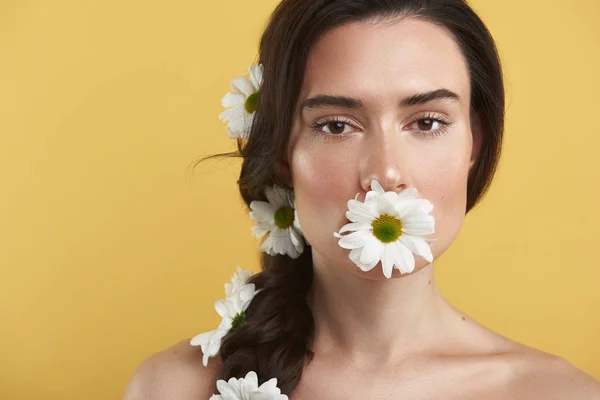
(388, 227)
(239, 295)
(247, 389)
(239, 279)
(278, 217)
(241, 102)
(210, 342)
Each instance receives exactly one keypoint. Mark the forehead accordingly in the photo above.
(386, 60)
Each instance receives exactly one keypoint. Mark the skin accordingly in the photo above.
(379, 338)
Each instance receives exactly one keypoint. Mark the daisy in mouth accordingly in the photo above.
(388, 227)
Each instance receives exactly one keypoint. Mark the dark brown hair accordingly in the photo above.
(276, 339)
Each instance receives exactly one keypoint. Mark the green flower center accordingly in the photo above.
(387, 228)
(238, 320)
(284, 217)
(251, 103)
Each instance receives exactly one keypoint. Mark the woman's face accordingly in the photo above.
(408, 126)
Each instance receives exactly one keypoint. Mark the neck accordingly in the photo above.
(375, 320)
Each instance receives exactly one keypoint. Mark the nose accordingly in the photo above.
(383, 161)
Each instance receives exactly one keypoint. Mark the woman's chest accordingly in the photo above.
(433, 381)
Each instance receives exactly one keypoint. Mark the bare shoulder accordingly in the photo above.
(519, 372)
(174, 373)
(539, 375)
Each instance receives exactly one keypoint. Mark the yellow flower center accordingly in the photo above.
(251, 103)
(284, 217)
(387, 228)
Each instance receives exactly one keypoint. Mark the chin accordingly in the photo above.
(376, 274)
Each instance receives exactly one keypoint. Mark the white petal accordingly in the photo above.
(240, 278)
(376, 187)
(237, 120)
(417, 245)
(407, 194)
(231, 391)
(210, 342)
(355, 239)
(248, 385)
(418, 227)
(295, 236)
(222, 385)
(355, 255)
(213, 348)
(405, 261)
(224, 308)
(202, 338)
(290, 198)
(256, 76)
(234, 134)
(262, 211)
(259, 230)
(252, 377)
(370, 266)
(387, 260)
(230, 114)
(246, 294)
(369, 253)
(269, 391)
(427, 207)
(356, 226)
(297, 240)
(277, 196)
(371, 198)
(267, 245)
(225, 325)
(386, 203)
(288, 247)
(233, 100)
(248, 119)
(278, 241)
(418, 217)
(297, 221)
(391, 197)
(246, 390)
(241, 84)
(270, 387)
(228, 289)
(360, 212)
(408, 207)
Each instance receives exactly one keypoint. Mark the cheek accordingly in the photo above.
(322, 182)
(444, 183)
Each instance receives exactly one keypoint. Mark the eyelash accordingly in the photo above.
(428, 134)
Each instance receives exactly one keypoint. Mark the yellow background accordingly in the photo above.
(113, 249)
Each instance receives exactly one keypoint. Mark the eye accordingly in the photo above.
(333, 128)
(430, 125)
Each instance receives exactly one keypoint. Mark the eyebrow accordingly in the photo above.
(325, 100)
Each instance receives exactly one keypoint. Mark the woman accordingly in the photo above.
(359, 95)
